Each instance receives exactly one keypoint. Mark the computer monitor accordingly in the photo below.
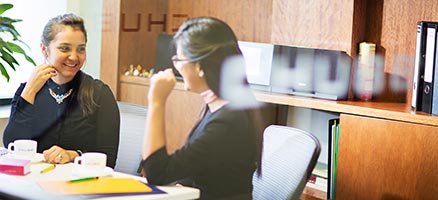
(310, 72)
(164, 52)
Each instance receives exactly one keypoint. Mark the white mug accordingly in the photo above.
(22, 148)
(91, 161)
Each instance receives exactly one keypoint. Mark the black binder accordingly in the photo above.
(429, 66)
(420, 50)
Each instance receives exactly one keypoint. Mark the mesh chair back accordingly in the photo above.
(132, 125)
(289, 156)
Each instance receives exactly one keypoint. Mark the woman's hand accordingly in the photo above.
(58, 155)
(39, 76)
(162, 84)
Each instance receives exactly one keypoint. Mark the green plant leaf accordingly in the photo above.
(8, 58)
(4, 72)
(8, 47)
(17, 49)
(8, 21)
(6, 44)
(4, 7)
(29, 59)
(6, 26)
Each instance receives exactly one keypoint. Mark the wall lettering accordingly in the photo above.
(176, 21)
(135, 29)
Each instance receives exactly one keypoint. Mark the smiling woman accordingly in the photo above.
(66, 51)
(33, 22)
(60, 106)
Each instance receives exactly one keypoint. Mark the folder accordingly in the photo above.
(420, 50)
(429, 63)
(101, 186)
(332, 156)
(435, 82)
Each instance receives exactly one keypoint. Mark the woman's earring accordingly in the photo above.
(201, 73)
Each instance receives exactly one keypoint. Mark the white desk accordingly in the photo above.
(64, 172)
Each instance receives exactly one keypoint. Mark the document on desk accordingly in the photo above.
(101, 186)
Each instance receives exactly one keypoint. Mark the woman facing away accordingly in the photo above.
(223, 148)
(65, 110)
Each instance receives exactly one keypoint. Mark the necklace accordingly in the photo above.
(60, 97)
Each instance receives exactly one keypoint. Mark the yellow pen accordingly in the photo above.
(48, 168)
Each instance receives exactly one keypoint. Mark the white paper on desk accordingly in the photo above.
(3, 151)
(14, 187)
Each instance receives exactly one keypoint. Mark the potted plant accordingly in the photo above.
(9, 37)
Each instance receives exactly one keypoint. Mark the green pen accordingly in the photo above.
(83, 179)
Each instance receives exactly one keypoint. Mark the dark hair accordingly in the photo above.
(209, 42)
(57, 24)
(86, 86)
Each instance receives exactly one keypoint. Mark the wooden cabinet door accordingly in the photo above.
(182, 110)
(384, 159)
(134, 93)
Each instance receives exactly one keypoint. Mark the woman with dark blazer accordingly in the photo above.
(223, 149)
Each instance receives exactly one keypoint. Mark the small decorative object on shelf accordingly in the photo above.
(364, 80)
(138, 71)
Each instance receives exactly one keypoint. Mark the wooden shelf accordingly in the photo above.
(137, 80)
(384, 110)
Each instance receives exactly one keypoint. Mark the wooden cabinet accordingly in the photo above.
(385, 151)
(386, 159)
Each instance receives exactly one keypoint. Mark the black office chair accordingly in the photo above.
(132, 125)
(289, 156)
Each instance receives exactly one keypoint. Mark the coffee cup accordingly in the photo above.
(24, 149)
(92, 161)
